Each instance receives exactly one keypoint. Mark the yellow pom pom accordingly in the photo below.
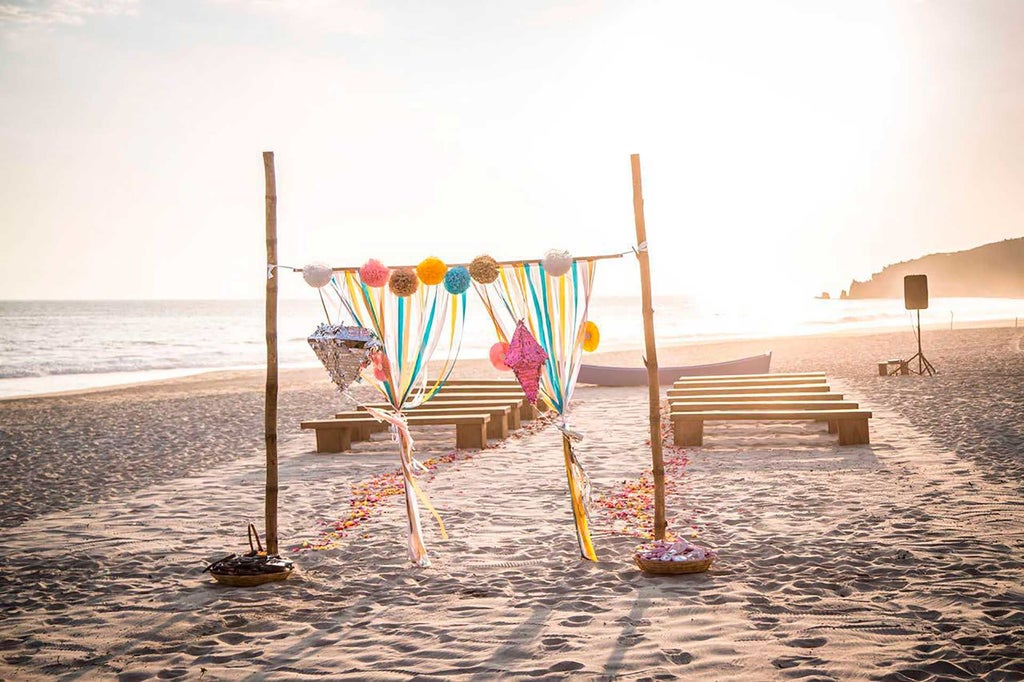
(431, 271)
(591, 337)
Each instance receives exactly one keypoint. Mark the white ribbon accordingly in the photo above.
(570, 433)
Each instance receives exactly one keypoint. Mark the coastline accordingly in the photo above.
(217, 416)
(670, 353)
(900, 559)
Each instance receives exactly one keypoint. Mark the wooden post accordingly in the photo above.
(654, 397)
(270, 418)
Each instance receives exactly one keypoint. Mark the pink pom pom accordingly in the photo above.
(498, 351)
(374, 273)
(381, 366)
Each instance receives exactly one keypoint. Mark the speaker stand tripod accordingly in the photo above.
(922, 362)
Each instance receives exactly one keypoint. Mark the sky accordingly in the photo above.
(787, 147)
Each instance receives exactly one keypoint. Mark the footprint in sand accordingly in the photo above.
(793, 661)
(678, 656)
(577, 621)
(555, 643)
(232, 638)
(629, 639)
(235, 621)
(807, 642)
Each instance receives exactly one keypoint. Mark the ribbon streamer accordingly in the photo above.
(578, 492)
(555, 311)
(570, 433)
(417, 549)
(410, 329)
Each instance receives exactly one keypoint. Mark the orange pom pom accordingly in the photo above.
(431, 271)
(591, 337)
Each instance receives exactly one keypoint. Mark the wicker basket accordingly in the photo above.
(255, 560)
(250, 580)
(672, 567)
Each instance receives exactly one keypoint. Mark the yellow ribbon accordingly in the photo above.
(579, 512)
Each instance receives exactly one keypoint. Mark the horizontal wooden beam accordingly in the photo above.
(353, 268)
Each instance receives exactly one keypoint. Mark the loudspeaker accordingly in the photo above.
(915, 292)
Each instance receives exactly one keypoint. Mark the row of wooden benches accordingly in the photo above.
(759, 397)
(488, 409)
(478, 409)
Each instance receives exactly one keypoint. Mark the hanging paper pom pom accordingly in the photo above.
(456, 280)
(484, 269)
(431, 271)
(381, 366)
(317, 275)
(374, 273)
(591, 337)
(498, 352)
(403, 282)
(557, 263)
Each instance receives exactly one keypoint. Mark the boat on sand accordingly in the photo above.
(637, 376)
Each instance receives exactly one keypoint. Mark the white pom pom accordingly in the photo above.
(557, 263)
(317, 275)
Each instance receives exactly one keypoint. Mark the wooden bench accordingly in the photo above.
(780, 375)
(526, 410)
(712, 382)
(514, 415)
(753, 397)
(725, 404)
(502, 420)
(497, 427)
(852, 425)
(512, 383)
(479, 388)
(335, 435)
(738, 390)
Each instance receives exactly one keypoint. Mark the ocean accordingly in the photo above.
(48, 346)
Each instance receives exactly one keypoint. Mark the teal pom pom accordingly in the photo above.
(456, 280)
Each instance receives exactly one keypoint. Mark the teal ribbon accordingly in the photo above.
(553, 377)
(544, 331)
(576, 325)
(460, 301)
(400, 348)
(423, 344)
(377, 329)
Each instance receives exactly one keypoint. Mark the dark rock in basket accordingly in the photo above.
(254, 568)
(247, 564)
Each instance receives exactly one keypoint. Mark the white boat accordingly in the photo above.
(637, 376)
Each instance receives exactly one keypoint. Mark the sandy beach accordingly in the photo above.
(899, 560)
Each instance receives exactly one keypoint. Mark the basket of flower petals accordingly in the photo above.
(673, 556)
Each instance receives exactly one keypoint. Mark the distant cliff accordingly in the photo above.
(990, 271)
